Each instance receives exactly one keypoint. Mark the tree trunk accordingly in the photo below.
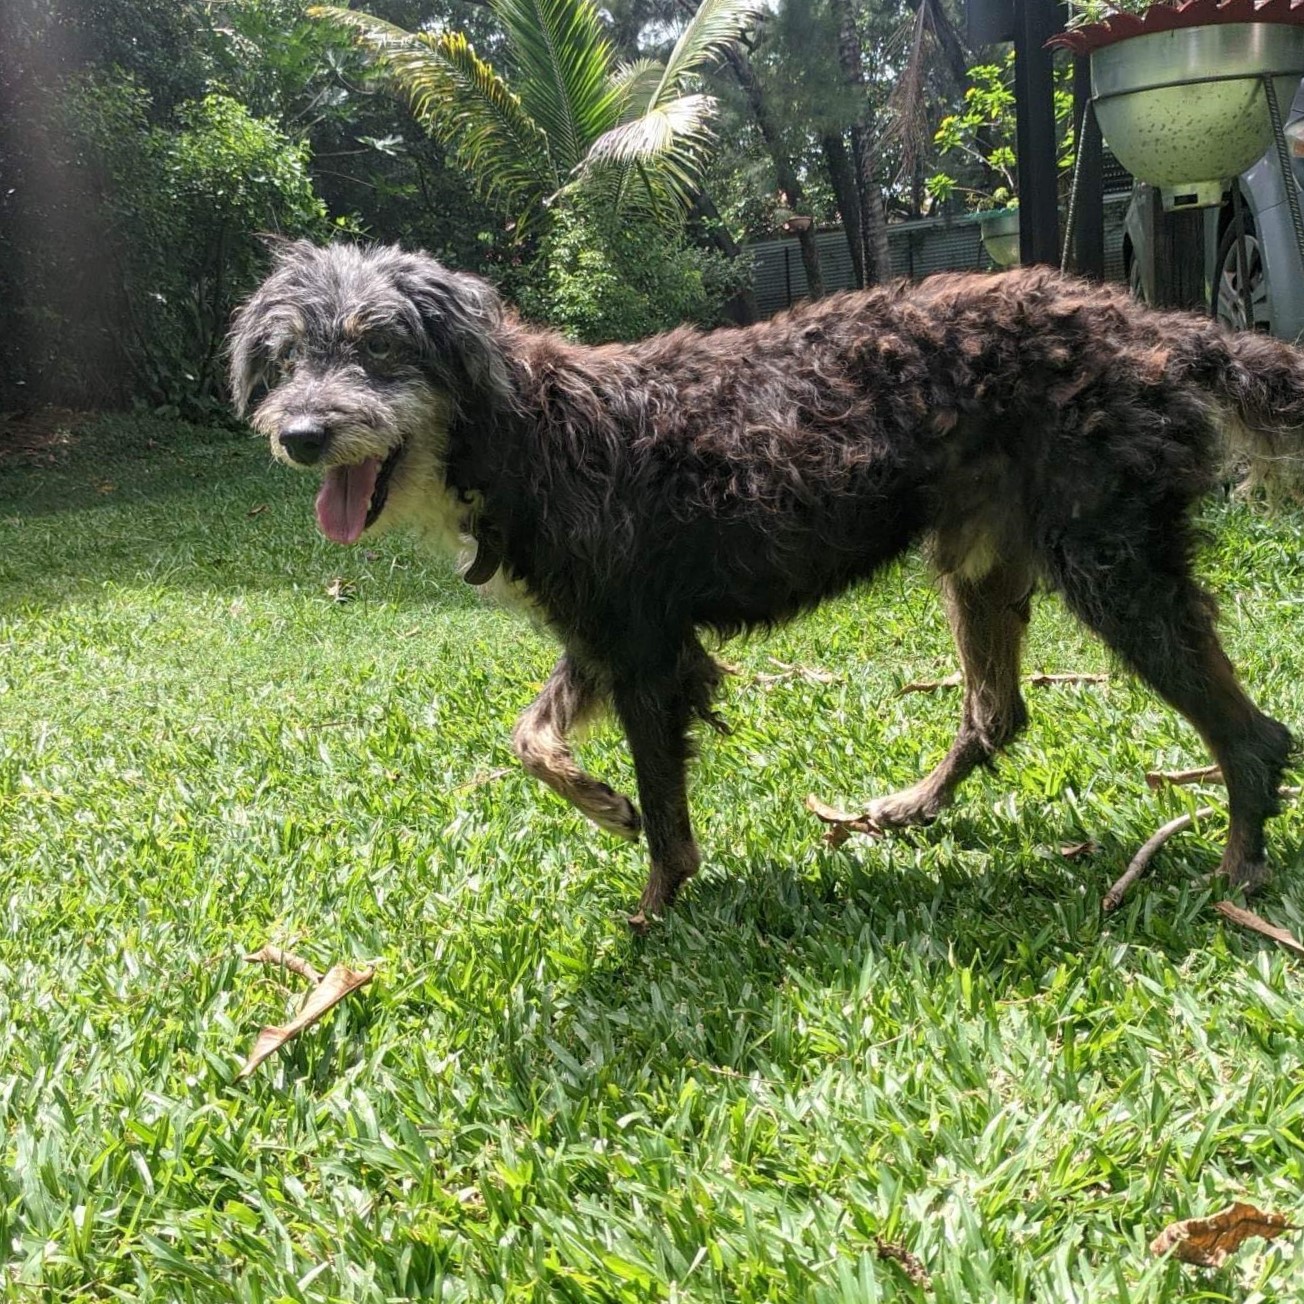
(864, 144)
(784, 172)
(843, 176)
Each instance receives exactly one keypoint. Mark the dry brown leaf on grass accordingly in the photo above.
(907, 1262)
(1210, 1241)
(1074, 850)
(485, 776)
(257, 511)
(842, 823)
(1248, 919)
(327, 994)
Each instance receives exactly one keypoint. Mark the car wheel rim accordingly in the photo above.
(1231, 302)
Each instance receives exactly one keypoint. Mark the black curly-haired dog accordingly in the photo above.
(1032, 428)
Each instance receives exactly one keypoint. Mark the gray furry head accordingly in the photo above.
(368, 355)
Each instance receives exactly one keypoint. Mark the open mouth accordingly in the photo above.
(352, 498)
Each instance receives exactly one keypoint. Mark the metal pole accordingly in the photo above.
(1035, 22)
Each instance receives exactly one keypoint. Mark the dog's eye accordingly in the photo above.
(288, 358)
(377, 349)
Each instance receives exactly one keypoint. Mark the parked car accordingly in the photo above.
(1275, 274)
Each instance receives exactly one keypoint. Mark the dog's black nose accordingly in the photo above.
(304, 439)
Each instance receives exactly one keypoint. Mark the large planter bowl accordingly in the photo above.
(1186, 110)
(1000, 232)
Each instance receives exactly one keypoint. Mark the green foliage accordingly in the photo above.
(181, 206)
(568, 117)
(935, 1039)
(599, 278)
(980, 140)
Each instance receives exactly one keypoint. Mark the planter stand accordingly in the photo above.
(1144, 72)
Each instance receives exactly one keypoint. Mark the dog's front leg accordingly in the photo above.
(539, 741)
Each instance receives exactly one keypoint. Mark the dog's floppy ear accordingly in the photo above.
(250, 358)
(460, 315)
(249, 343)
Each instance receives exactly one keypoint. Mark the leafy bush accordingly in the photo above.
(979, 141)
(599, 279)
(136, 240)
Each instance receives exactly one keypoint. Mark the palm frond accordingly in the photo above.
(461, 101)
(636, 83)
(716, 25)
(563, 63)
(919, 38)
(657, 155)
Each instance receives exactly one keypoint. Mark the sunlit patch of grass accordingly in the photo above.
(936, 1040)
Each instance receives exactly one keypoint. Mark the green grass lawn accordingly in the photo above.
(935, 1040)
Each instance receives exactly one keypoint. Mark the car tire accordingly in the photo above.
(1228, 304)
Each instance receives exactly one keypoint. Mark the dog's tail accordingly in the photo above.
(1258, 383)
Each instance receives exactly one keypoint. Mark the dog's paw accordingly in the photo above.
(1248, 875)
(900, 810)
(615, 813)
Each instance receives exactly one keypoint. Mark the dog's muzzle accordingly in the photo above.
(304, 440)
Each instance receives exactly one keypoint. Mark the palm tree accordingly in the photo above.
(573, 119)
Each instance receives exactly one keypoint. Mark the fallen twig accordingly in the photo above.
(1248, 919)
(278, 959)
(1205, 774)
(479, 780)
(1114, 897)
(787, 671)
(1038, 680)
(1042, 680)
(1156, 779)
(930, 685)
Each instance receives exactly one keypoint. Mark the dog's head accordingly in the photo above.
(366, 355)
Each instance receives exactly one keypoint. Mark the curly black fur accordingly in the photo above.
(1032, 428)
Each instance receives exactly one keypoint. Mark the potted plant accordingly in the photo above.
(1179, 90)
(977, 147)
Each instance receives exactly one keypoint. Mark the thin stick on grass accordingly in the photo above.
(1156, 779)
(1042, 680)
(1038, 680)
(1140, 862)
(278, 959)
(1205, 774)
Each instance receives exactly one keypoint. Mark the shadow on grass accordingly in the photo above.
(725, 980)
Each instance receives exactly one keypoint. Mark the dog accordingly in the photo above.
(1030, 428)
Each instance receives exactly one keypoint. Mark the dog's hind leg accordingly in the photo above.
(540, 743)
(1136, 591)
(656, 705)
(988, 616)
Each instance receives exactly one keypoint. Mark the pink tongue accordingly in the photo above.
(344, 498)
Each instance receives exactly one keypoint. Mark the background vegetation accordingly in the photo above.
(605, 167)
